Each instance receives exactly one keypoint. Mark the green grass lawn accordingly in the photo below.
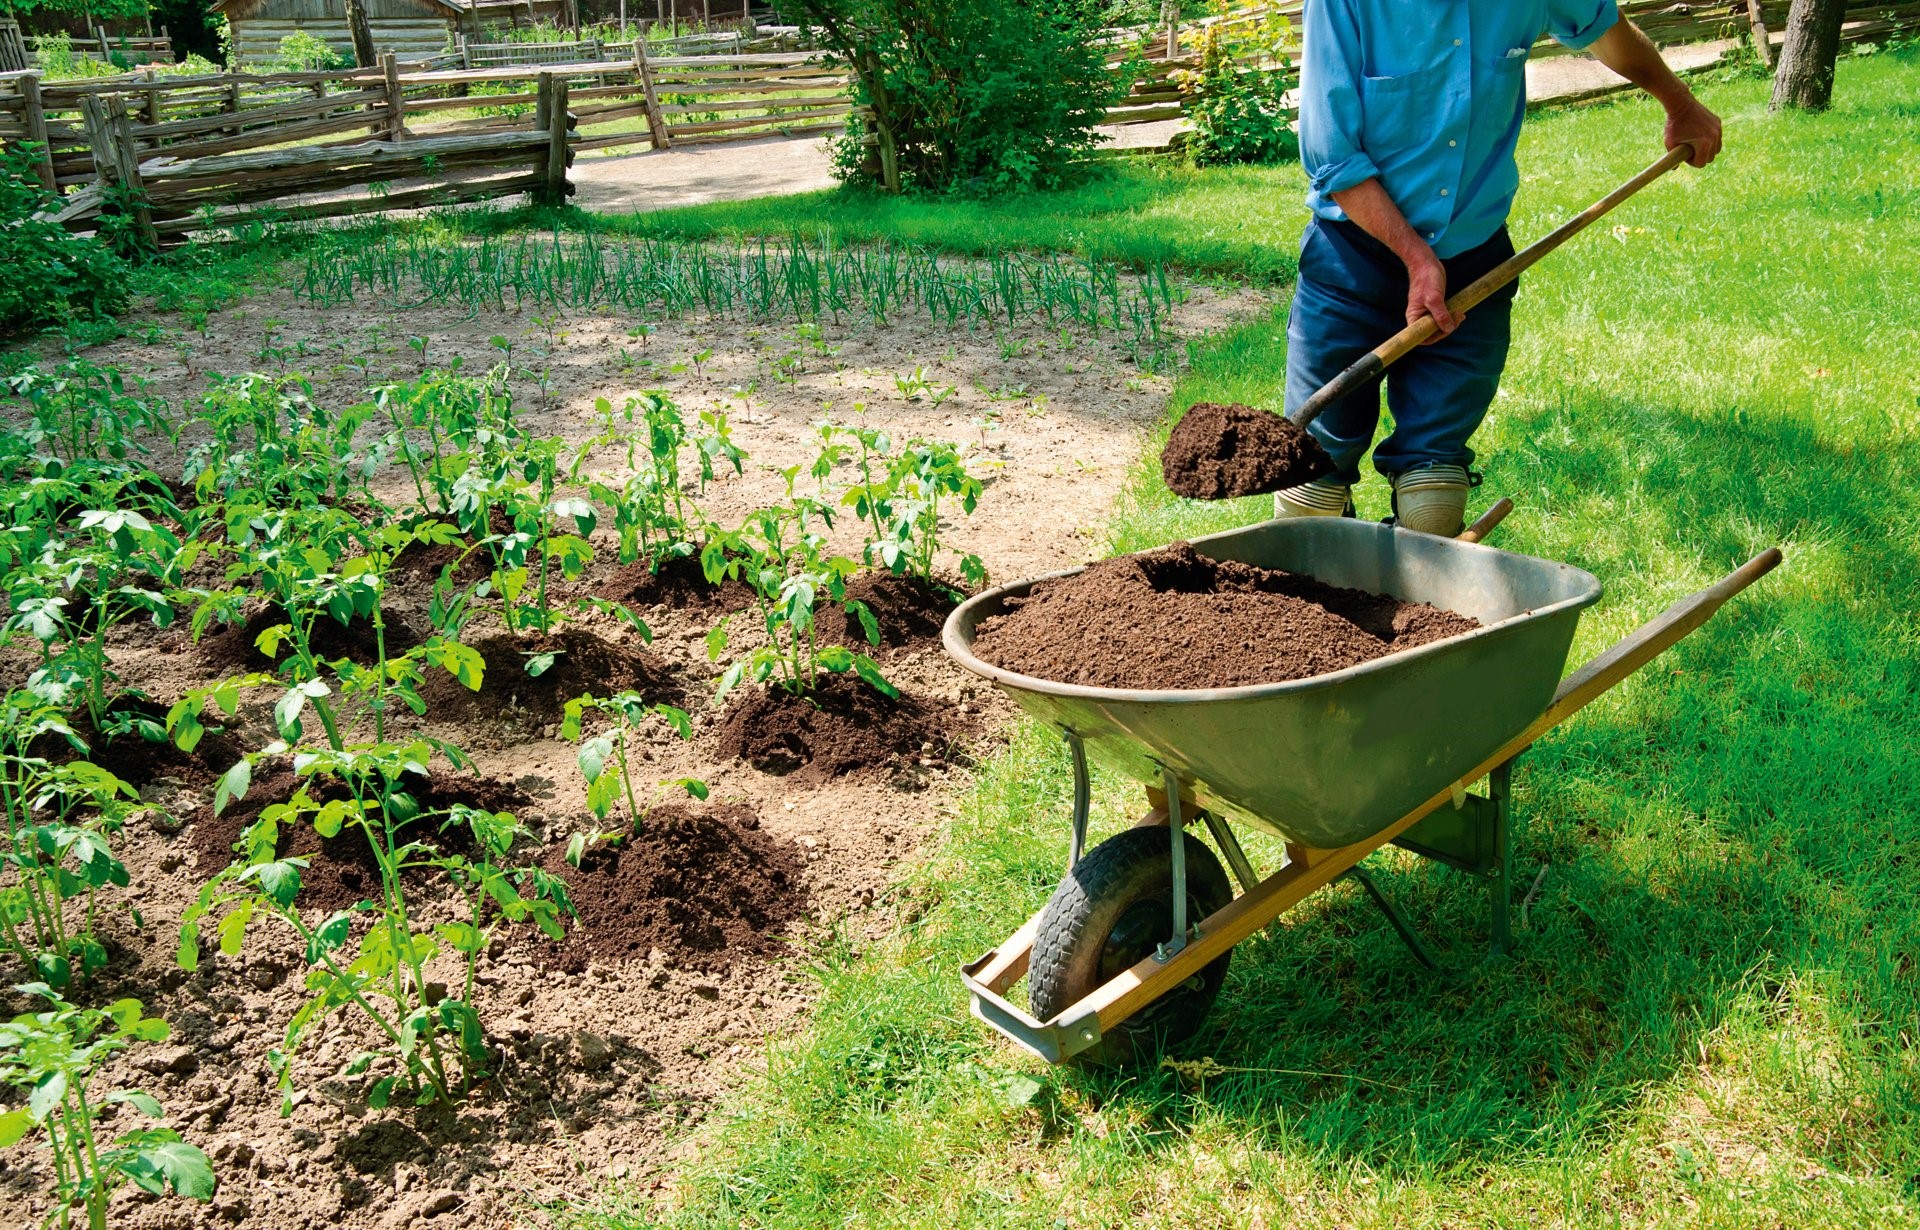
(1713, 1016)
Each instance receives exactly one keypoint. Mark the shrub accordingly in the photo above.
(47, 274)
(1238, 111)
(301, 52)
(982, 95)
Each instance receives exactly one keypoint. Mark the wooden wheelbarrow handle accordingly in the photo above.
(1650, 639)
(1376, 360)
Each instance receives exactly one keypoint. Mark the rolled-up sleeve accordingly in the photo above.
(1576, 23)
(1330, 98)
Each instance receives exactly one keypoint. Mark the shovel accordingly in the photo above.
(1290, 455)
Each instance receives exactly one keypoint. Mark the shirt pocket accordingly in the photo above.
(1397, 113)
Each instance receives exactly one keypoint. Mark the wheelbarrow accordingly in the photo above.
(1132, 948)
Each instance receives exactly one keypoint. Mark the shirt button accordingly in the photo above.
(1456, 42)
(1431, 234)
(1443, 192)
(1451, 144)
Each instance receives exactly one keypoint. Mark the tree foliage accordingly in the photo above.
(983, 95)
(93, 10)
(46, 274)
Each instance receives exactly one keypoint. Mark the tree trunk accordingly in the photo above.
(364, 55)
(1805, 77)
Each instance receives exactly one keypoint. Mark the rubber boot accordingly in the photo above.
(1432, 500)
(1323, 497)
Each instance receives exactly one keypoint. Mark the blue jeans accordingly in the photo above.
(1351, 296)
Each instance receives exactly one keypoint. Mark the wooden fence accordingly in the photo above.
(163, 198)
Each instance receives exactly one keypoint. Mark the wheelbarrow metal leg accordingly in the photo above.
(1176, 825)
(1082, 798)
(1500, 874)
(1230, 847)
(1401, 925)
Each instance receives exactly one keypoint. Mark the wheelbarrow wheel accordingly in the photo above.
(1113, 910)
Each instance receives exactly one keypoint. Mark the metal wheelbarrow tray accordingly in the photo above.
(1337, 765)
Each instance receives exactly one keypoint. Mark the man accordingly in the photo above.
(1409, 112)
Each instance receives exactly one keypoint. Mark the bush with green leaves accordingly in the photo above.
(60, 821)
(434, 1045)
(899, 496)
(48, 275)
(1238, 109)
(790, 578)
(301, 52)
(606, 764)
(54, 1055)
(971, 95)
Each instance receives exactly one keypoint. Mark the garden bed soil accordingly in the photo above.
(136, 760)
(1173, 618)
(909, 611)
(679, 584)
(585, 662)
(607, 1067)
(1218, 452)
(845, 727)
(703, 883)
(342, 870)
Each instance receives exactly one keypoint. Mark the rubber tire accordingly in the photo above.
(1125, 878)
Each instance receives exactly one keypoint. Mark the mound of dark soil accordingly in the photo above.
(137, 760)
(1217, 452)
(1173, 618)
(585, 662)
(343, 870)
(703, 884)
(910, 613)
(679, 585)
(844, 727)
(231, 648)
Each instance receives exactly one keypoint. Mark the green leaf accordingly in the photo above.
(145, 1103)
(540, 663)
(329, 935)
(14, 1126)
(868, 623)
(46, 1095)
(869, 670)
(462, 937)
(184, 1167)
(693, 786)
(717, 641)
(233, 785)
(280, 880)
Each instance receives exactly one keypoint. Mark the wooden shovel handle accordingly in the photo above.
(1376, 360)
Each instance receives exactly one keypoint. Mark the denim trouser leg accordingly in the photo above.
(1350, 297)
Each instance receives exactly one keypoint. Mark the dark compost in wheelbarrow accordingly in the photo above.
(1172, 618)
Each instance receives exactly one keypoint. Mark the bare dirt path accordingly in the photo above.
(777, 166)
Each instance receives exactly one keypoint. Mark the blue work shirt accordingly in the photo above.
(1426, 95)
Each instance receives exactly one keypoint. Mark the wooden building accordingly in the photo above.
(411, 29)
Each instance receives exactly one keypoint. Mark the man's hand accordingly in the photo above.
(1691, 123)
(1427, 294)
(1625, 50)
(1369, 206)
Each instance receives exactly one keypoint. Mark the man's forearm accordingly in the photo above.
(1627, 50)
(1369, 207)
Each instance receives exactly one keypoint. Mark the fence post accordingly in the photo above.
(552, 117)
(35, 116)
(232, 106)
(116, 160)
(1762, 40)
(396, 102)
(657, 134)
(153, 96)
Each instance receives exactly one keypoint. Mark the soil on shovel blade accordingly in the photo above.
(1218, 452)
(1173, 618)
(703, 884)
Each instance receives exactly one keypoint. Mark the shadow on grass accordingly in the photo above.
(1730, 824)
